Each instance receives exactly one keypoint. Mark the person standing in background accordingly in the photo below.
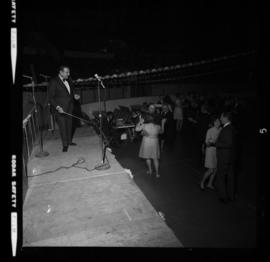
(203, 120)
(166, 100)
(178, 114)
(149, 149)
(225, 147)
(210, 153)
(168, 126)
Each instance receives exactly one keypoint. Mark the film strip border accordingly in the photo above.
(13, 51)
(14, 160)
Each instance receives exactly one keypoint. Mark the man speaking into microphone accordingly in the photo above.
(61, 97)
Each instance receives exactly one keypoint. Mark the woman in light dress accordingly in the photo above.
(149, 149)
(210, 153)
(178, 114)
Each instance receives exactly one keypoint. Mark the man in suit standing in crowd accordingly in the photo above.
(61, 98)
(203, 121)
(168, 125)
(225, 146)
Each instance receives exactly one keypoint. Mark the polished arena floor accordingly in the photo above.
(195, 216)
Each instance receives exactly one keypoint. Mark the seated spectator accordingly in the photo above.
(107, 128)
(135, 117)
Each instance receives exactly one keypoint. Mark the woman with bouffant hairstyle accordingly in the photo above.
(149, 149)
(210, 153)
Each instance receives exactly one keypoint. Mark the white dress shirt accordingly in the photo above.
(66, 84)
(226, 124)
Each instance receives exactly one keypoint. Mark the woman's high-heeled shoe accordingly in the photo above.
(210, 187)
(202, 187)
(148, 173)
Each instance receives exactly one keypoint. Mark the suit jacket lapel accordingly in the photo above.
(63, 85)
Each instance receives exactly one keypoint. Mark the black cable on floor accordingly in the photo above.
(79, 161)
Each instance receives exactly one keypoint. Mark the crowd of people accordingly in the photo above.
(213, 123)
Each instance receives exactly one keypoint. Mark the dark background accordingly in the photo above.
(138, 34)
(141, 35)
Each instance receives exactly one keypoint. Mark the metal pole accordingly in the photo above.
(100, 121)
(41, 153)
(103, 165)
(104, 100)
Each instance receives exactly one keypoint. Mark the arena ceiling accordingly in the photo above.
(143, 26)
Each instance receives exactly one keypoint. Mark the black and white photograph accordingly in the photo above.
(140, 125)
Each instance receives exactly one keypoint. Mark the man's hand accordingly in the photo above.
(60, 109)
(141, 120)
(77, 97)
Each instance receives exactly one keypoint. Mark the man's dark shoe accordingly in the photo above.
(65, 149)
(73, 144)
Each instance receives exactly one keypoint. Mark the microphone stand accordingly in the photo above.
(105, 139)
(50, 115)
(103, 165)
(104, 98)
(41, 153)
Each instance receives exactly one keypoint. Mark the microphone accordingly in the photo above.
(97, 77)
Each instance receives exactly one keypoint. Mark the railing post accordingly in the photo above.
(26, 139)
(30, 128)
(34, 128)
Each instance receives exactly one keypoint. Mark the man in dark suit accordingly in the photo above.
(61, 98)
(203, 120)
(169, 126)
(225, 147)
